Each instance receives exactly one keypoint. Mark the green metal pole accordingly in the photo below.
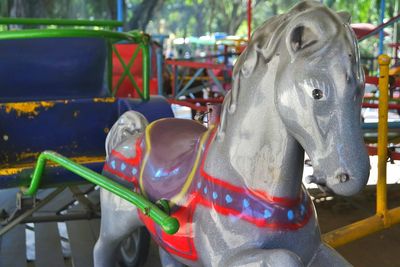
(67, 32)
(169, 224)
(61, 22)
(146, 70)
(145, 47)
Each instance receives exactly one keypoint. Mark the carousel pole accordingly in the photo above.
(120, 13)
(249, 19)
(381, 33)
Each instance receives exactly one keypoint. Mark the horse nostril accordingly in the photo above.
(343, 177)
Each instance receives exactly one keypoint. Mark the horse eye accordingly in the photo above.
(317, 94)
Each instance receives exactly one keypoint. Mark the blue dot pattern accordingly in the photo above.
(267, 214)
(290, 215)
(205, 190)
(215, 195)
(246, 203)
(113, 164)
(302, 210)
(238, 202)
(123, 166)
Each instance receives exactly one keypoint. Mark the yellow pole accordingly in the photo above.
(360, 229)
(381, 194)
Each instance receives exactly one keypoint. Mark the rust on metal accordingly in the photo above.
(27, 108)
(6, 170)
(104, 99)
(26, 155)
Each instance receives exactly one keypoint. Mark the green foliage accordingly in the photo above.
(367, 11)
(219, 15)
(363, 10)
(192, 17)
(73, 9)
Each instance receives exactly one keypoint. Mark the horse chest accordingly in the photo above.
(212, 201)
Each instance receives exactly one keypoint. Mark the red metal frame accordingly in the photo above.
(373, 151)
(374, 80)
(373, 105)
(196, 65)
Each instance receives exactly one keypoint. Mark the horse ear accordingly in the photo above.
(345, 16)
(302, 37)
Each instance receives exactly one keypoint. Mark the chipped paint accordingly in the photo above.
(10, 171)
(16, 169)
(27, 108)
(105, 99)
(86, 160)
(26, 155)
(32, 108)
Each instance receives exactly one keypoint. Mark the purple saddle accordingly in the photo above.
(171, 147)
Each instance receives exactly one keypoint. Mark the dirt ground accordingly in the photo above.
(380, 249)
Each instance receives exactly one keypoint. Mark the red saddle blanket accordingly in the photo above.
(169, 164)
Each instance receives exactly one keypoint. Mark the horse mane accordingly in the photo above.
(263, 45)
(264, 42)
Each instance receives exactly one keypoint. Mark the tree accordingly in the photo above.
(96, 9)
(143, 13)
(184, 17)
(230, 15)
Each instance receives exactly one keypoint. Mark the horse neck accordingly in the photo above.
(257, 147)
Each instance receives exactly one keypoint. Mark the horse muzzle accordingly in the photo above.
(343, 183)
(346, 185)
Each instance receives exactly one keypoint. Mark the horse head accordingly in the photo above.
(318, 87)
(325, 88)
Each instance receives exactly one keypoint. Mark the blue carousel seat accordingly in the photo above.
(53, 97)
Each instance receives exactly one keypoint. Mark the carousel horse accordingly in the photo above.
(236, 188)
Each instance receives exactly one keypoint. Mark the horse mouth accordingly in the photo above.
(340, 184)
(320, 182)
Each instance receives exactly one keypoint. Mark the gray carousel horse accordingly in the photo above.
(236, 189)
